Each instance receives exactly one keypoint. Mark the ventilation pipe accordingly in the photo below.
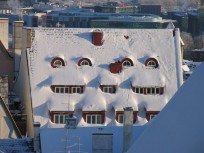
(127, 128)
(37, 137)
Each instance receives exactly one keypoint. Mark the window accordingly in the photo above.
(148, 90)
(57, 62)
(67, 89)
(126, 62)
(120, 118)
(152, 116)
(108, 88)
(94, 119)
(152, 63)
(84, 61)
(60, 118)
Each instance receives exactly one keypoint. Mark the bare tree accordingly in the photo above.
(199, 42)
(188, 41)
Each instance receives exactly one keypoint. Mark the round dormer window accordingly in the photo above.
(84, 61)
(151, 62)
(126, 62)
(57, 62)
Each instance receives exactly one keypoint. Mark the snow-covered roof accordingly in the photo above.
(73, 44)
(178, 128)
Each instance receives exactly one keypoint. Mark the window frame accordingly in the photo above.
(67, 89)
(98, 117)
(148, 90)
(64, 116)
(57, 59)
(82, 60)
(149, 61)
(118, 119)
(108, 89)
(124, 64)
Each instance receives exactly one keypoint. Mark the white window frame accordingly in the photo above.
(85, 62)
(59, 116)
(121, 116)
(57, 63)
(76, 89)
(108, 89)
(125, 63)
(97, 116)
(139, 90)
(151, 63)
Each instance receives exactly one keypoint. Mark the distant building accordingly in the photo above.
(150, 9)
(193, 23)
(82, 18)
(196, 56)
(116, 9)
(137, 21)
(181, 18)
(30, 20)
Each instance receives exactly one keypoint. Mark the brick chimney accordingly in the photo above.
(97, 37)
(17, 44)
(4, 33)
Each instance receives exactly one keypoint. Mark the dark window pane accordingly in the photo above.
(148, 90)
(56, 119)
(98, 119)
(153, 90)
(61, 119)
(57, 90)
(88, 119)
(141, 90)
(66, 90)
(157, 91)
(93, 119)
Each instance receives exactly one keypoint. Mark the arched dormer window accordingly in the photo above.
(84, 61)
(152, 63)
(57, 62)
(126, 62)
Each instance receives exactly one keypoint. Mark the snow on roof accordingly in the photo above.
(150, 77)
(73, 44)
(178, 128)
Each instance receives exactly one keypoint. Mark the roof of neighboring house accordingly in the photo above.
(179, 126)
(13, 126)
(2, 47)
(71, 45)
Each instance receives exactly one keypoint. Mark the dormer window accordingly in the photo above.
(84, 61)
(57, 62)
(148, 90)
(152, 63)
(126, 62)
(108, 88)
(66, 89)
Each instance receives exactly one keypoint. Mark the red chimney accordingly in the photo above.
(97, 38)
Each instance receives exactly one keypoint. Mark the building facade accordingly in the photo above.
(114, 69)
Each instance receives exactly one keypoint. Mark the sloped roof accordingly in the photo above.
(73, 44)
(179, 126)
(2, 48)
